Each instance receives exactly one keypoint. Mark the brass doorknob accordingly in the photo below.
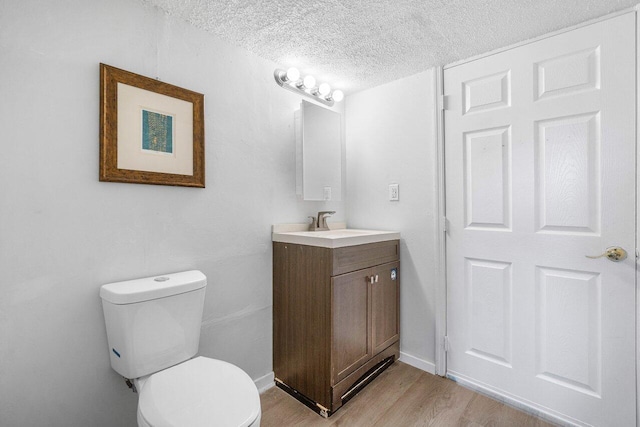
(614, 253)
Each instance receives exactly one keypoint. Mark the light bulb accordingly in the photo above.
(324, 89)
(309, 82)
(337, 95)
(293, 74)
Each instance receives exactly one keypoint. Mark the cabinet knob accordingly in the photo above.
(376, 278)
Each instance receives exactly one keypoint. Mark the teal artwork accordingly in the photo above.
(157, 132)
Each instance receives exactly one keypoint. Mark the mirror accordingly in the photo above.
(318, 153)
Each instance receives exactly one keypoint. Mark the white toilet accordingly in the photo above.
(153, 329)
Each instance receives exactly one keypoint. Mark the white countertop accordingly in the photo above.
(333, 238)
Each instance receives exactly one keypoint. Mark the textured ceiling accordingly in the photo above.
(357, 44)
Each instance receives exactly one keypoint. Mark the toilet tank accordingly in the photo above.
(153, 323)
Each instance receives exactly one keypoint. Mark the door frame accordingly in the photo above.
(441, 229)
(440, 241)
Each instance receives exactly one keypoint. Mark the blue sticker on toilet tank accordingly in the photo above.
(115, 352)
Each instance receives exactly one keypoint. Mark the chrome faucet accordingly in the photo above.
(320, 224)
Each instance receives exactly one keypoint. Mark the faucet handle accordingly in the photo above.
(322, 219)
(313, 225)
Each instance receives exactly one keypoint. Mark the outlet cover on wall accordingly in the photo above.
(394, 192)
(327, 193)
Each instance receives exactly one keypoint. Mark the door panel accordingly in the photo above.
(540, 171)
(487, 178)
(385, 323)
(567, 174)
(351, 322)
(488, 287)
(568, 315)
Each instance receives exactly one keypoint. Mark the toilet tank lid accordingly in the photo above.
(149, 288)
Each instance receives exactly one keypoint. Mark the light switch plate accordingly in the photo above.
(394, 192)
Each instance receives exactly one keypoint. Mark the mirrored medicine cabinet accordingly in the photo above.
(318, 153)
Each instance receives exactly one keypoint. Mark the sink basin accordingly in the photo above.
(337, 238)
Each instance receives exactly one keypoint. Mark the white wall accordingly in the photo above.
(63, 233)
(390, 139)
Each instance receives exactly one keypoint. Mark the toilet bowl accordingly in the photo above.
(153, 331)
(199, 392)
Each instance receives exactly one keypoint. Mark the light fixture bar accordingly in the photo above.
(306, 86)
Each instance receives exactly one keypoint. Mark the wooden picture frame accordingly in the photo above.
(151, 132)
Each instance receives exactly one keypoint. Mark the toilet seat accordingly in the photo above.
(199, 392)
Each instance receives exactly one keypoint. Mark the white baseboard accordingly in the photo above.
(265, 382)
(513, 401)
(416, 362)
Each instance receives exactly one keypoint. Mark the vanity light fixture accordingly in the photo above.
(290, 79)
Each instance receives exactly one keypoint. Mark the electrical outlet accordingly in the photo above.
(327, 193)
(394, 192)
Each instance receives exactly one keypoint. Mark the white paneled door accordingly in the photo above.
(540, 172)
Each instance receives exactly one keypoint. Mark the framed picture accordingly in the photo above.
(150, 132)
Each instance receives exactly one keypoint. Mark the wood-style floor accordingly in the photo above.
(401, 396)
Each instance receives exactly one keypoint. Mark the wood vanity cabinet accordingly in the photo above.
(335, 319)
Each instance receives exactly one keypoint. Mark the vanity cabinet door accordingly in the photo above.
(351, 323)
(385, 298)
